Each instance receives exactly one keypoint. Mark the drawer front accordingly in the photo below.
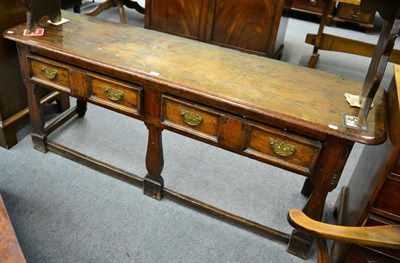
(282, 148)
(114, 94)
(314, 6)
(50, 73)
(388, 200)
(353, 12)
(191, 118)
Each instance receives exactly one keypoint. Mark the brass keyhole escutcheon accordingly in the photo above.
(113, 94)
(49, 73)
(282, 148)
(191, 118)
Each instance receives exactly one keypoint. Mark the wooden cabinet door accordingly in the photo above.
(179, 17)
(247, 25)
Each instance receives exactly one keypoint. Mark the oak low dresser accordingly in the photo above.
(280, 114)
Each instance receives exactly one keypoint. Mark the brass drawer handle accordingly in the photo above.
(49, 73)
(313, 2)
(113, 94)
(281, 148)
(355, 14)
(191, 118)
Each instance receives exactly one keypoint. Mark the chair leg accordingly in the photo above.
(101, 7)
(77, 7)
(121, 11)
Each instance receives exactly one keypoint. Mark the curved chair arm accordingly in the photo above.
(381, 236)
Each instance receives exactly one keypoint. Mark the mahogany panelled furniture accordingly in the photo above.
(280, 114)
(13, 98)
(254, 26)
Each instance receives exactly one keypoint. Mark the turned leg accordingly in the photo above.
(36, 116)
(329, 167)
(121, 12)
(153, 182)
(77, 7)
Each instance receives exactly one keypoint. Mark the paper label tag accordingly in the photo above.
(39, 32)
(353, 100)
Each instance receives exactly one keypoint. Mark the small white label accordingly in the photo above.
(62, 21)
(10, 32)
(333, 126)
(153, 73)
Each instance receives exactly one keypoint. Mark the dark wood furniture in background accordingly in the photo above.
(352, 13)
(254, 26)
(10, 251)
(338, 12)
(313, 7)
(203, 92)
(374, 188)
(323, 41)
(13, 98)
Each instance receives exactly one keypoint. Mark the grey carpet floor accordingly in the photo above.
(65, 212)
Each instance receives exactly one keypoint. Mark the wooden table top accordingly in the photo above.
(264, 89)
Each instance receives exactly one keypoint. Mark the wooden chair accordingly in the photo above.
(378, 236)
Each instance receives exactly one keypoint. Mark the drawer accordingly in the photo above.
(353, 12)
(191, 118)
(50, 73)
(117, 95)
(282, 148)
(388, 199)
(313, 6)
